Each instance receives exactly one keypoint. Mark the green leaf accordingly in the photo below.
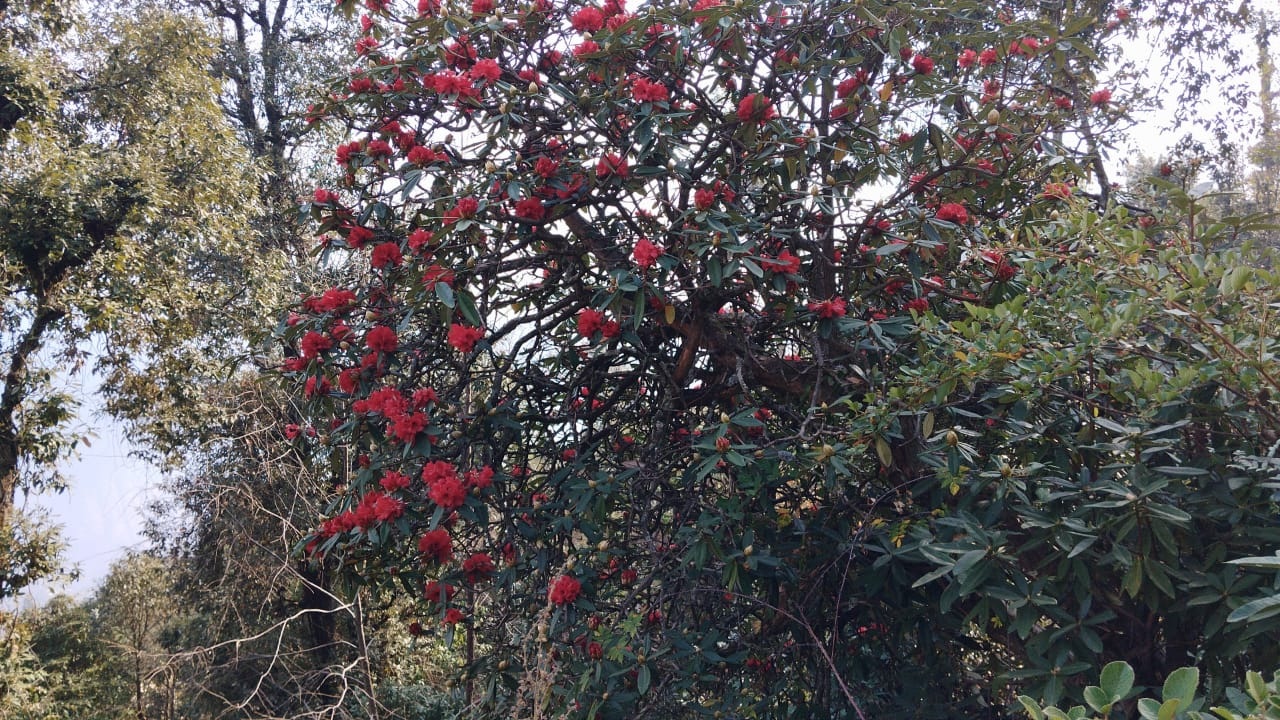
(1031, 706)
(445, 294)
(1256, 610)
(467, 306)
(1181, 686)
(930, 577)
(1267, 563)
(1097, 699)
(1168, 709)
(1256, 686)
(1117, 680)
(642, 680)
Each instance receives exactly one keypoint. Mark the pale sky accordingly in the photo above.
(101, 512)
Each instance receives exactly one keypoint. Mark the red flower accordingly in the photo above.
(481, 478)
(1100, 97)
(387, 508)
(646, 253)
(704, 198)
(419, 239)
(485, 71)
(1001, 269)
(967, 59)
(590, 322)
(481, 7)
(448, 493)
(922, 64)
(386, 255)
(612, 164)
(530, 209)
(1056, 190)
(436, 545)
(437, 592)
(464, 337)
(705, 5)
(920, 305)
(358, 235)
(379, 148)
(381, 339)
(421, 155)
(392, 481)
(424, 396)
(827, 309)
(564, 590)
(987, 57)
(314, 343)
(545, 167)
(437, 274)
(784, 263)
(756, 108)
(588, 19)
(407, 426)
(594, 650)
(452, 616)
(478, 567)
(644, 90)
(465, 208)
(438, 470)
(953, 212)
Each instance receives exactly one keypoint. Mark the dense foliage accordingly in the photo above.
(773, 360)
(123, 201)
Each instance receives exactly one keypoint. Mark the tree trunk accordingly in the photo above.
(14, 391)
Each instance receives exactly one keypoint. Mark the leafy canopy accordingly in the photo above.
(772, 359)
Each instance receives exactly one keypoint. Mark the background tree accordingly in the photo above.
(120, 222)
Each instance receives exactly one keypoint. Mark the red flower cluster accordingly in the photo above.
(919, 305)
(392, 481)
(381, 339)
(436, 545)
(443, 486)
(828, 309)
(478, 568)
(332, 300)
(646, 253)
(564, 590)
(464, 337)
(530, 208)
(644, 90)
(485, 71)
(612, 165)
(587, 20)
(953, 213)
(1056, 191)
(592, 321)
(756, 108)
(465, 208)
(785, 262)
(314, 343)
(704, 198)
(374, 507)
(438, 592)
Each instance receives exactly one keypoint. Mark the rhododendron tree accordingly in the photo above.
(682, 352)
